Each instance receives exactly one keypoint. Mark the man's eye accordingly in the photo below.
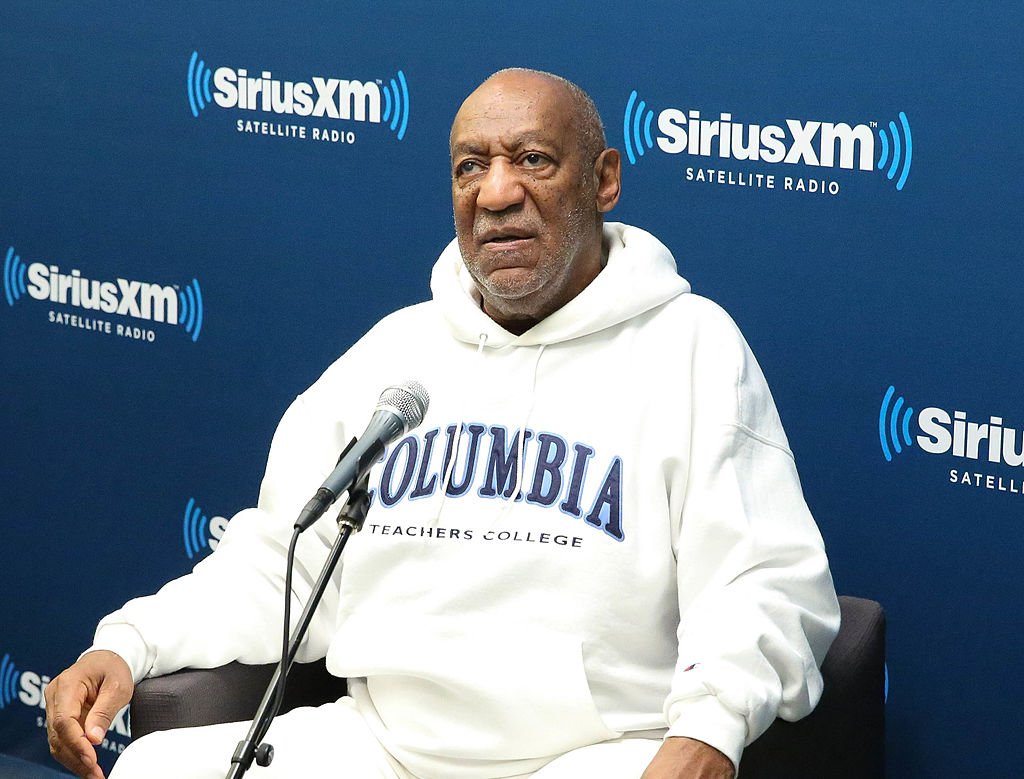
(533, 159)
(467, 168)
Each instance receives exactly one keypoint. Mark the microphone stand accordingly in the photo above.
(350, 520)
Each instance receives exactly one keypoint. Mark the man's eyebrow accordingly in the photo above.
(516, 143)
(467, 147)
(530, 138)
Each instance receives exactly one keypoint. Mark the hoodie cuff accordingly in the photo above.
(706, 719)
(126, 642)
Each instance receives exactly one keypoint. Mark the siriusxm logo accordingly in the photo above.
(894, 424)
(375, 102)
(121, 297)
(795, 142)
(201, 533)
(9, 676)
(942, 432)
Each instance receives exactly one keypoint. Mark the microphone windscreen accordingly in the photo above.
(408, 401)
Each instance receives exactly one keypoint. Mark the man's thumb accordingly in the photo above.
(109, 701)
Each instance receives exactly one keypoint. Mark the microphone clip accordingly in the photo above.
(353, 514)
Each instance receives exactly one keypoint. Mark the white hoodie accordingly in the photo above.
(646, 565)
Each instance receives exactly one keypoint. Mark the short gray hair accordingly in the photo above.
(588, 120)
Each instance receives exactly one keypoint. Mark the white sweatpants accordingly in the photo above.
(334, 741)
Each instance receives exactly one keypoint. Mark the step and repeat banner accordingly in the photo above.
(202, 205)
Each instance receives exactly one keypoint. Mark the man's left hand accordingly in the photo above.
(687, 758)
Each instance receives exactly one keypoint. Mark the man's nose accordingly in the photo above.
(500, 187)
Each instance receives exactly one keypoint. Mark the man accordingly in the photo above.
(592, 559)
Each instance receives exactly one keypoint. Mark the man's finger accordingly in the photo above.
(69, 745)
(80, 759)
(64, 713)
(113, 696)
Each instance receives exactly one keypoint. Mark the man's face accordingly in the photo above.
(524, 198)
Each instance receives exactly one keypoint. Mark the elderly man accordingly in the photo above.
(592, 559)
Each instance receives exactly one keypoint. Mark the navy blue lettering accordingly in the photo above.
(571, 504)
(607, 510)
(547, 477)
(422, 490)
(388, 495)
(407, 474)
(457, 489)
(501, 464)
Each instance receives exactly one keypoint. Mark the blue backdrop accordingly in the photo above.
(841, 177)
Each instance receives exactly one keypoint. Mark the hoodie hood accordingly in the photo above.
(640, 275)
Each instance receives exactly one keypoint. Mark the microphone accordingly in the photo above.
(399, 409)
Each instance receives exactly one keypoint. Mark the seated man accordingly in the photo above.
(593, 558)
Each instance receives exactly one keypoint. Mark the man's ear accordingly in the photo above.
(608, 172)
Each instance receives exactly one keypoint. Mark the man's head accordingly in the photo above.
(531, 179)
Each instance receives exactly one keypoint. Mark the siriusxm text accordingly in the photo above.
(333, 98)
(955, 434)
(821, 144)
(139, 299)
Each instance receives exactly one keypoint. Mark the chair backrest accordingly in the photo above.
(844, 737)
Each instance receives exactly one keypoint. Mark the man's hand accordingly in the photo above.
(80, 705)
(687, 758)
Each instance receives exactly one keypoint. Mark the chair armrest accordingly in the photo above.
(230, 693)
(844, 737)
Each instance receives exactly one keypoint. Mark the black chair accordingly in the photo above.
(844, 738)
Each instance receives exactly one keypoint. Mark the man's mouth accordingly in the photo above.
(501, 237)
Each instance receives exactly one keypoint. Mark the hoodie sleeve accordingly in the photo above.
(758, 610)
(230, 606)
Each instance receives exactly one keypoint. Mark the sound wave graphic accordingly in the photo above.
(902, 151)
(191, 315)
(632, 119)
(198, 84)
(399, 100)
(14, 277)
(891, 424)
(196, 529)
(9, 676)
